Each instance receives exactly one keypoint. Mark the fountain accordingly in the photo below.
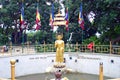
(59, 66)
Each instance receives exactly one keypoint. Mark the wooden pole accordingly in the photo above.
(28, 47)
(44, 46)
(110, 47)
(11, 48)
(76, 46)
(12, 69)
(93, 47)
(101, 72)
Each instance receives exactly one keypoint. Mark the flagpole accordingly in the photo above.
(110, 47)
(82, 36)
(81, 22)
(22, 33)
(67, 3)
(51, 22)
(68, 20)
(22, 41)
(82, 29)
(68, 27)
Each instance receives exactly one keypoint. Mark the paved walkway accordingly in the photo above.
(4, 79)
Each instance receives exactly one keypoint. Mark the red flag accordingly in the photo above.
(90, 46)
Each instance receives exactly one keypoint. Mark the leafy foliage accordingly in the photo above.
(107, 19)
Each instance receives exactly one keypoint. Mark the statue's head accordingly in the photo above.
(59, 36)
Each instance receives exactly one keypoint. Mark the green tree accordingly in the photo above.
(106, 22)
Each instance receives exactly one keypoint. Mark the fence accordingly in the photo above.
(29, 49)
(80, 48)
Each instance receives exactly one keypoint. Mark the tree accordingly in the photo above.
(107, 20)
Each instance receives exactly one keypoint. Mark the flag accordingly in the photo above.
(38, 22)
(66, 19)
(91, 17)
(52, 17)
(80, 19)
(22, 17)
(90, 46)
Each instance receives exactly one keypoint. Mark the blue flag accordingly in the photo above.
(80, 19)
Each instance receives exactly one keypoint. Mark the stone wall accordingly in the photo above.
(80, 62)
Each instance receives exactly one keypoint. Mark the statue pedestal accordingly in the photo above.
(59, 65)
(59, 68)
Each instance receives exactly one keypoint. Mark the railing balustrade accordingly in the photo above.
(40, 48)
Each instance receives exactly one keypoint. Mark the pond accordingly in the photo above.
(70, 76)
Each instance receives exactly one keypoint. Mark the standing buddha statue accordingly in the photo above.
(59, 45)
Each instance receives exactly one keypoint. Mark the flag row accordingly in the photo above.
(38, 20)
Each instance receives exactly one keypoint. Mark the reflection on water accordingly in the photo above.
(70, 76)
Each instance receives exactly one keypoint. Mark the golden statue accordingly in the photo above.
(59, 45)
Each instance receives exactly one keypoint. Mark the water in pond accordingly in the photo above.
(70, 76)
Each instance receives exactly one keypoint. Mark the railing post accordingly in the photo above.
(110, 47)
(76, 46)
(11, 48)
(93, 47)
(101, 71)
(28, 50)
(44, 46)
(12, 61)
(52, 47)
(119, 50)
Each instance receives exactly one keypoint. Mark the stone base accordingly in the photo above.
(65, 78)
(59, 65)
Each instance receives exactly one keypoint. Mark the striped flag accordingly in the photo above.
(38, 22)
(67, 20)
(80, 19)
(52, 17)
(22, 17)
